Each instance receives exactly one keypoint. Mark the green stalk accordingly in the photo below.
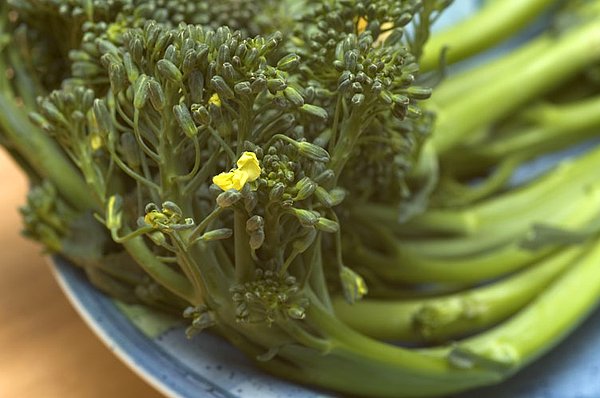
(358, 365)
(415, 268)
(217, 274)
(537, 328)
(442, 318)
(110, 285)
(452, 192)
(570, 53)
(44, 155)
(244, 264)
(563, 210)
(166, 276)
(190, 268)
(456, 85)
(552, 193)
(554, 127)
(437, 263)
(41, 153)
(568, 197)
(315, 274)
(351, 130)
(489, 26)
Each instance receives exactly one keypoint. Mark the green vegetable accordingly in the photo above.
(312, 179)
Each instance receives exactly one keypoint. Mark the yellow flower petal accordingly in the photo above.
(248, 170)
(224, 180)
(387, 27)
(361, 287)
(96, 141)
(239, 179)
(215, 100)
(248, 163)
(361, 25)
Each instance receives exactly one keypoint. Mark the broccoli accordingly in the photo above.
(309, 180)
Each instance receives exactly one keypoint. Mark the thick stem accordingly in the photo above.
(244, 264)
(539, 326)
(166, 276)
(452, 192)
(315, 264)
(442, 318)
(552, 193)
(456, 85)
(245, 123)
(44, 156)
(554, 127)
(359, 365)
(488, 27)
(568, 197)
(413, 268)
(439, 264)
(570, 53)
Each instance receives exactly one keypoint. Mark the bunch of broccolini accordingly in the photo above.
(313, 181)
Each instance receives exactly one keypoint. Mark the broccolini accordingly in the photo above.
(298, 176)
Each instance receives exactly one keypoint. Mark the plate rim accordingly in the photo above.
(69, 278)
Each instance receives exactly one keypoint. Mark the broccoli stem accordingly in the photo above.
(166, 276)
(217, 274)
(441, 318)
(44, 155)
(486, 28)
(315, 275)
(494, 230)
(351, 130)
(570, 177)
(565, 198)
(455, 86)
(553, 126)
(110, 285)
(360, 365)
(244, 264)
(534, 330)
(570, 53)
(408, 266)
(417, 268)
(41, 153)
(451, 192)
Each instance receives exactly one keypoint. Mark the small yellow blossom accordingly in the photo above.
(353, 285)
(361, 287)
(248, 170)
(215, 100)
(387, 27)
(96, 141)
(361, 25)
(154, 218)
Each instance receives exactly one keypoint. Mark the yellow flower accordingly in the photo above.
(386, 27)
(215, 100)
(353, 285)
(248, 170)
(96, 141)
(361, 25)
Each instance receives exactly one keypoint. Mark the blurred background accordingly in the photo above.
(46, 350)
